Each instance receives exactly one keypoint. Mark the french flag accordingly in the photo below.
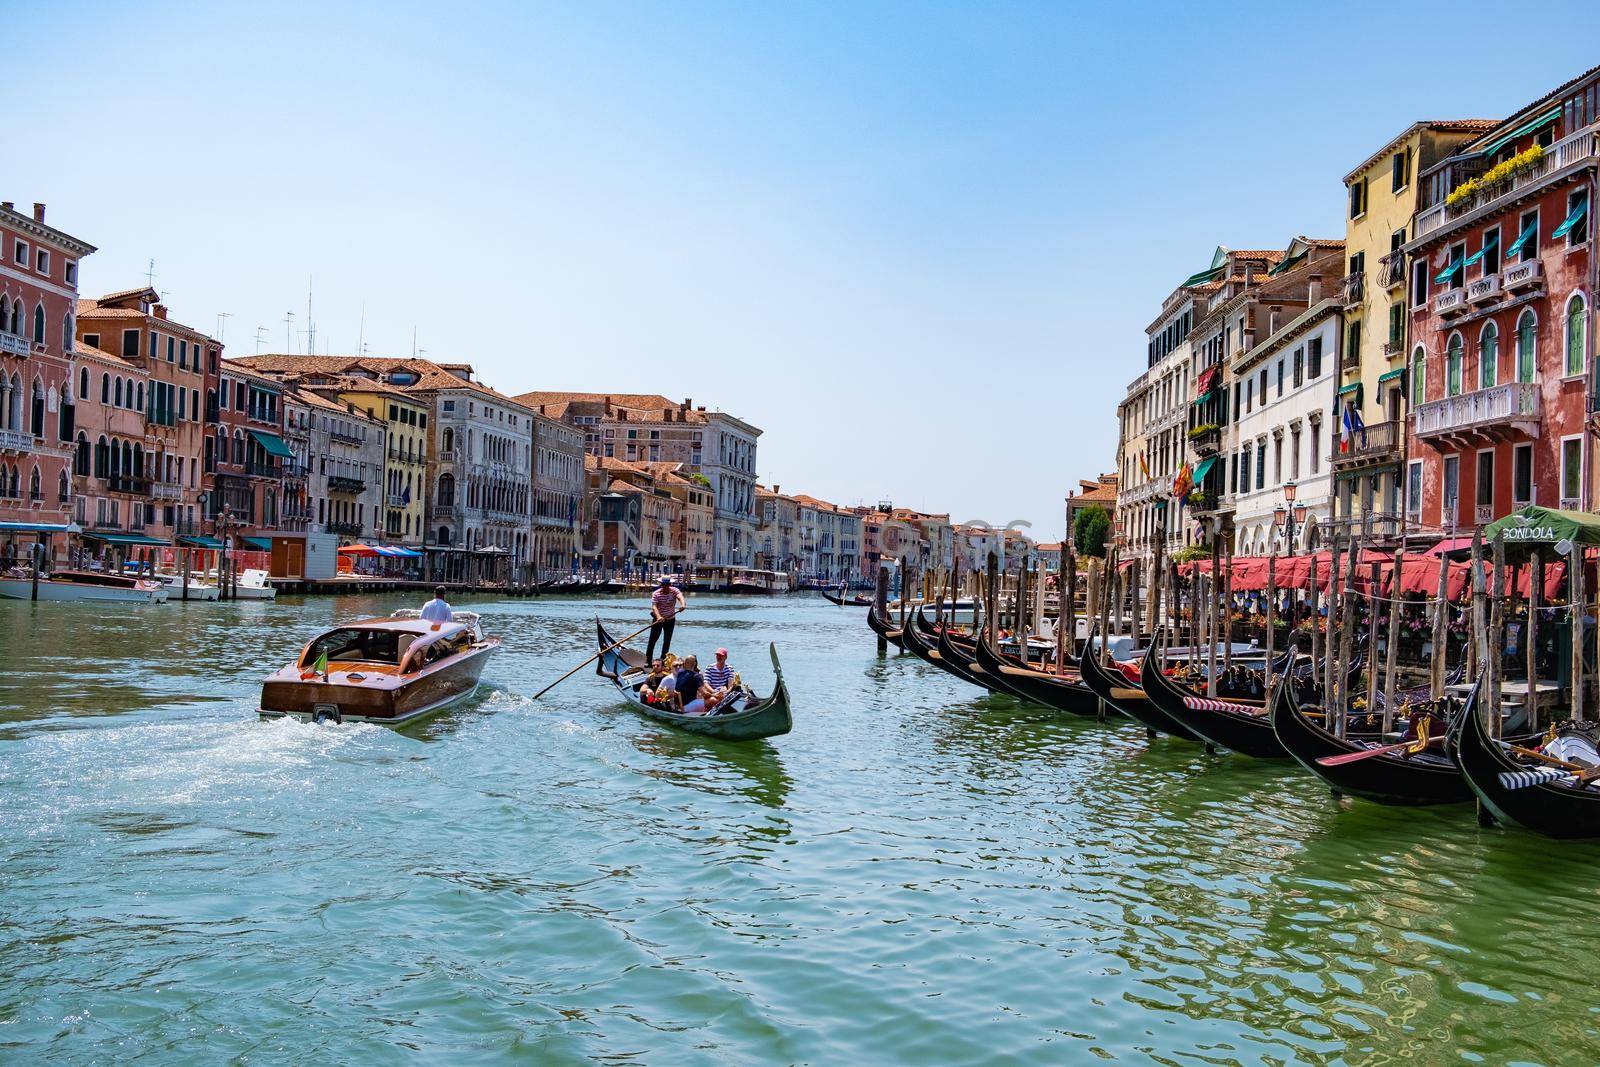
(1352, 426)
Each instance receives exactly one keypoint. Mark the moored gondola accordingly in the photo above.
(1129, 698)
(1232, 724)
(1553, 808)
(918, 643)
(1425, 776)
(857, 601)
(747, 718)
(1065, 692)
(883, 629)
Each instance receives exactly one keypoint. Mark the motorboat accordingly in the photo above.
(198, 590)
(253, 585)
(65, 586)
(393, 671)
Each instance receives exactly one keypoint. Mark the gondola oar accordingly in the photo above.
(1356, 757)
(591, 659)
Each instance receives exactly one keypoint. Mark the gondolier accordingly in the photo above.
(665, 603)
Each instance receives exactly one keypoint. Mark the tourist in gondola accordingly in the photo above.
(719, 675)
(665, 603)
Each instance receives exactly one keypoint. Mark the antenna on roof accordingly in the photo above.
(150, 276)
(261, 334)
(222, 320)
(361, 337)
(413, 340)
(288, 332)
(311, 324)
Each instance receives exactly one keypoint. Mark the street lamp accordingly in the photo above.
(1288, 515)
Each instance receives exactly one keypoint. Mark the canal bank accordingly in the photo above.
(916, 874)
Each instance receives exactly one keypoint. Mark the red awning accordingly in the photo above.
(358, 550)
(1207, 380)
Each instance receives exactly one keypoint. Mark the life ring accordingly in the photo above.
(327, 714)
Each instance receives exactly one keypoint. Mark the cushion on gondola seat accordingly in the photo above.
(1210, 704)
(1537, 776)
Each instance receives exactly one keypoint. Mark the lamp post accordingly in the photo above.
(1288, 515)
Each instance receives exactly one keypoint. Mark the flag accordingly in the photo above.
(1351, 426)
(405, 497)
(1184, 482)
(1144, 466)
(321, 666)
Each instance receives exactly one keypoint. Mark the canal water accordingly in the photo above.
(917, 874)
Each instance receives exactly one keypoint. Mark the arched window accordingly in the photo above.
(16, 328)
(449, 439)
(35, 487)
(80, 465)
(5, 314)
(37, 423)
(141, 397)
(102, 458)
(444, 531)
(1575, 334)
(222, 446)
(1488, 355)
(447, 489)
(105, 388)
(38, 323)
(1527, 345)
(1452, 366)
(117, 393)
(63, 487)
(83, 382)
(1419, 377)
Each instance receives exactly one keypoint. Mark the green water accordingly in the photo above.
(918, 874)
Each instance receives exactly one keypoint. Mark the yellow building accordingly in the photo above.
(405, 455)
(1381, 197)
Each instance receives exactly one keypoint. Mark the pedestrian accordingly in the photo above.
(665, 603)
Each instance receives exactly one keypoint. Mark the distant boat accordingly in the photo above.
(65, 586)
(198, 590)
(253, 585)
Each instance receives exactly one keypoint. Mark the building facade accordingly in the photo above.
(345, 455)
(1501, 292)
(38, 305)
(557, 493)
(112, 484)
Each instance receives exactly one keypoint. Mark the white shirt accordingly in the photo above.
(437, 610)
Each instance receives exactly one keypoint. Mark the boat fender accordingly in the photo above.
(324, 714)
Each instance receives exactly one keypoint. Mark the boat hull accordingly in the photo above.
(1063, 693)
(68, 592)
(1241, 732)
(395, 702)
(1131, 700)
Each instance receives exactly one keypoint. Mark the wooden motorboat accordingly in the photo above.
(1426, 776)
(1565, 807)
(66, 586)
(394, 671)
(745, 717)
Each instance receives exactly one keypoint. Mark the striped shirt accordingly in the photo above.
(665, 601)
(718, 677)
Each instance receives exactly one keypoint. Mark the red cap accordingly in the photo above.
(722, 653)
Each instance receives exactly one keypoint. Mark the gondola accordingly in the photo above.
(1550, 808)
(1429, 777)
(751, 719)
(858, 601)
(961, 652)
(883, 629)
(1129, 698)
(1065, 693)
(920, 645)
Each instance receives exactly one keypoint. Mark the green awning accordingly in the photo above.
(1522, 239)
(1287, 265)
(128, 540)
(1535, 527)
(1391, 375)
(1202, 398)
(35, 527)
(1572, 220)
(201, 541)
(272, 443)
(1475, 256)
(1202, 277)
(1203, 468)
(1521, 131)
(1444, 276)
(263, 543)
(1353, 387)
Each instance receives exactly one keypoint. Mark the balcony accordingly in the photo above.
(263, 470)
(1392, 270)
(1484, 289)
(14, 344)
(1570, 503)
(1498, 413)
(1450, 303)
(1566, 152)
(1482, 514)
(1376, 445)
(15, 440)
(1523, 276)
(344, 529)
(295, 469)
(344, 438)
(339, 484)
(166, 491)
(396, 500)
(1393, 348)
(1206, 440)
(1355, 289)
(1204, 505)
(127, 483)
(1382, 525)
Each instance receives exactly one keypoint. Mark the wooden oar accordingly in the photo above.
(1534, 754)
(1356, 757)
(591, 659)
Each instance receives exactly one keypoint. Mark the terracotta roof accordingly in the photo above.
(642, 401)
(91, 352)
(431, 376)
(123, 294)
(1273, 254)
(1538, 101)
(90, 310)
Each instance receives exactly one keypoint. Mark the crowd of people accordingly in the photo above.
(680, 685)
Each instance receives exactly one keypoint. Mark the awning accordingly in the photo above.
(1521, 131)
(1572, 220)
(1535, 527)
(1522, 239)
(1202, 277)
(201, 541)
(1391, 375)
(357, 550)
(1475, 256)
(1202, 398)
(130, 540)
(272, 443)
(36, 527)
(1203, 468)
(1444, 276)
(1287, 265)
(1207, 381)
(262, 543)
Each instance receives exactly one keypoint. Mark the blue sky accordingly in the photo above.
(916, 243)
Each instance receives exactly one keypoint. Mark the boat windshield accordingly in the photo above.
(357, 646)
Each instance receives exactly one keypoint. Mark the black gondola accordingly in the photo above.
(919, 645)
(960, 652)
(751, 719)
(1429, 777)
(1062, 692)
(1129, 698)
(1549, 808)
(857, 601)
(883, 629)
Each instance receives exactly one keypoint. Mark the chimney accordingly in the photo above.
(159, 311)
(688, 402)
(38, 211)
(1314, 290)
(777, 490)
(7, 205)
